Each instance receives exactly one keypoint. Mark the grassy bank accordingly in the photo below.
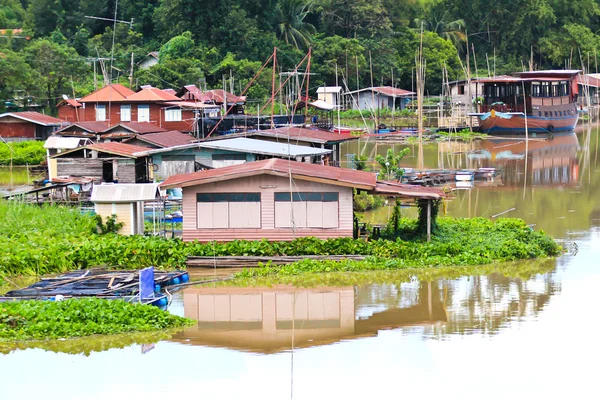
(27, 320)
(55, 239)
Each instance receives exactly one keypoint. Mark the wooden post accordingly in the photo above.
(429, 220)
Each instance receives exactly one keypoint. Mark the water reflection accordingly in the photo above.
(274, 319)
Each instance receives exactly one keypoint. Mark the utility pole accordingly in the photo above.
(131, 73)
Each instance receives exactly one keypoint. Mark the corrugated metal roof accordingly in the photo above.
(152, 94)
(125, 193)
(255, 146)
(304, 135)
(71, 102)
(329, 89)
(59, 142)
(274, 166)
(136, 127)
(167, 139)
(191, 92)
(35, 117)
(411, 191)
(192, 105)
(112, 92)
(170, 91)
(87, 126)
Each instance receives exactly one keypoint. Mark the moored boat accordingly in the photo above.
(539, 101)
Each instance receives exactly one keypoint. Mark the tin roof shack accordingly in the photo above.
(126, 202)
(222, 153)
(57, 144)
(277, 199)
(27, 125)
(375, 98)
(106, 162)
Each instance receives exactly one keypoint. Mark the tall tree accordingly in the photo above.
(290, 25)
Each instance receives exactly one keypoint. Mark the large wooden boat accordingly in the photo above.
(542, 101)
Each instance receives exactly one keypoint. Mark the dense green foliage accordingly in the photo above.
(22, 153)
(55, 239)
(53, 54)
(25, 320)
(364, 201)
(458, 242)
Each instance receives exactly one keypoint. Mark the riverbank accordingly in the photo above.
(39, 320)
(53, 239)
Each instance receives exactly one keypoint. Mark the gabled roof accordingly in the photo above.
(112, 92)
(297, 134)
(165, 139)
(170, 91)
(152, 94)
(136, 127)
(35, 117)
(116, 148)
(304, 171)
(125, 193)
(91, 127)
(386, 90)
(153, 54)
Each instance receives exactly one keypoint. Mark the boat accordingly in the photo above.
(539, 101)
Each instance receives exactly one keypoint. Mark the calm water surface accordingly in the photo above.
(529, 333)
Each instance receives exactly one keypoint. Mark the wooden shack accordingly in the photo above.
(126, 201)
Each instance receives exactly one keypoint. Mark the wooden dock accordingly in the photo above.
(254, 261)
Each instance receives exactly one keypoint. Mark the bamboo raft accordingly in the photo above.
(255, 261)
(97, 283)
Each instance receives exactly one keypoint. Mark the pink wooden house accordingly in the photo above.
(276, 199)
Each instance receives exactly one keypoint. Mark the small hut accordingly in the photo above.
(126, 201)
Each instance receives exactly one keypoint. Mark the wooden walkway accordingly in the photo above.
(253, 261)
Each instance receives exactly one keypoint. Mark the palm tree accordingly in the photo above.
(453, 31)
(289, 22)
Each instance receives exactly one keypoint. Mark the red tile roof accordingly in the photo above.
(304, 135)
(35, 117)
(136, 127)
(152, 94)
(167, 139)
(112, 92)
(274, 166)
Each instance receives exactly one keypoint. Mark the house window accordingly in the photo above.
(461, 89)
(306, 209)
(228, 210)
(143, 113)
(172, 114)
(100, 112)
(125, 112)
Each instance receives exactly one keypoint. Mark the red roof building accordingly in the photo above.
(28, 125)
(161, 140)
(374, 98)
(234, 104)
(256, 200)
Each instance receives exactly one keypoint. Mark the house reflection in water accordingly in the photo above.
(551, 160)
(266, 320)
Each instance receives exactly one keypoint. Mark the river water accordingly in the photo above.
(526, 333)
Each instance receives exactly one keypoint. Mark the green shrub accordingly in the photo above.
(30, 152)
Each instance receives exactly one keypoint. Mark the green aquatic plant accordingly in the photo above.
(26, 320)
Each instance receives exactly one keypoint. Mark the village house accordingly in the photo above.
(69, 110)
(126, 130)
(161, 140)
(375, 98)
(106, 162)
(150, 60)
(56, 145)
(227, 151)
(277, 199)
(86, 129)
(27, 125)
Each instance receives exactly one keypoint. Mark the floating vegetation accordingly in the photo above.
(27, 320)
